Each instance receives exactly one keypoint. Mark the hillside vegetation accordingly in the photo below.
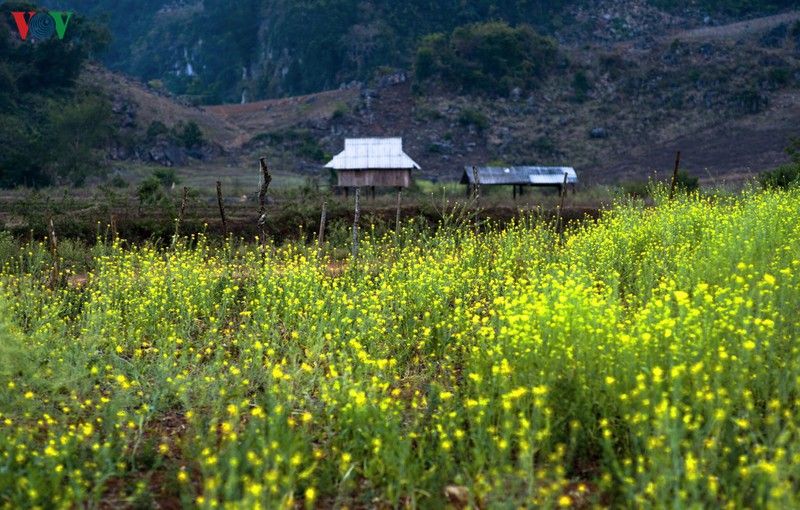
(214, 51)
(50, 129)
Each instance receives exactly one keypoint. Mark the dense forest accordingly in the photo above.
(214, 51)
(51, 130)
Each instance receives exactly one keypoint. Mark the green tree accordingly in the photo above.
(488, 58)
(79, 132)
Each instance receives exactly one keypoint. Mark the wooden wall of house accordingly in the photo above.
(379, 178)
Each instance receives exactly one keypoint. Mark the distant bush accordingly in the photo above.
(751, 101)
(150, 191)
(188, 134)
(780, 76)
(156, 129)
(785, 175)
(782, 177)
(581, 86)
(118, 182)
(686, 182)
(471, 117)
(166, 176)
(636, 189)
(491, 58)
(300, 142)
(545, 146)
(340, 111)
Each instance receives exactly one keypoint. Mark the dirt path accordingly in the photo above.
(734, 30)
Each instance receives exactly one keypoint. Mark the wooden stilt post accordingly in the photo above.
(476, 194)
(355, 222)
(563, 190)
(221, 203)
(675, 176)
(266, 179)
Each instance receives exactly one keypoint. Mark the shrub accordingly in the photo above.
(782, 177)
(150, 191)
(118, 182)
(156, 129)
(471, 117)
(491, 58)
(581, 85)
(686, 182)
(189, 134)
(166, 176)
(636, 189)
(780, 76)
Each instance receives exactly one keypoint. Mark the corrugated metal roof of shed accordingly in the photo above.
(541, 175)
(372, 154)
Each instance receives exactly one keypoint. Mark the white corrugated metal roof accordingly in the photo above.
(538, 175)
(372, 153)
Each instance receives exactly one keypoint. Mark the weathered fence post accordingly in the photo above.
(222, 210)
(266, 179)
(54, 253)
(183, 203)
(355, 222)
(397, 215)
(476, 194)
(322, 218)
(675, 176)
(476, 190)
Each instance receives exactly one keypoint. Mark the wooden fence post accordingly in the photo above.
(54, 252)
(266, 179)
(476, 194)
(355, 222)
(322, 218)
(397, 215)
(183, 203)
(675, 176)
(222, 210)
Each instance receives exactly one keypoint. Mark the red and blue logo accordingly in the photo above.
(41, 25)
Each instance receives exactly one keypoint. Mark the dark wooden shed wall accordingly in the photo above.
(382, 178)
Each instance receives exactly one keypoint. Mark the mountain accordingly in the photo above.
(215, 51)
(612, 87)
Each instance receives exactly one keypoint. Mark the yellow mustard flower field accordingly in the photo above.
(650, 359)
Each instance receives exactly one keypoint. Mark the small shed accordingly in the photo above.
(520, 177)
(373, 162)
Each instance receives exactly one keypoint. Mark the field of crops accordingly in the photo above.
(649, 359)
